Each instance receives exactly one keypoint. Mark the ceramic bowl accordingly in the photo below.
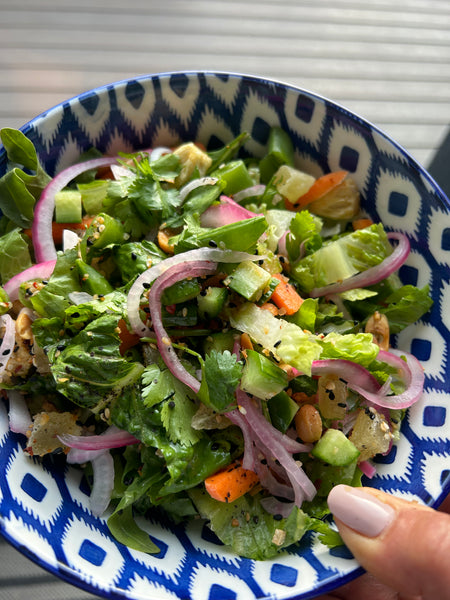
(44, 504)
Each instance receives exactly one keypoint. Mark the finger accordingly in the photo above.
(403, 544)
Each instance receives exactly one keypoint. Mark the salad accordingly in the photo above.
(205, 333)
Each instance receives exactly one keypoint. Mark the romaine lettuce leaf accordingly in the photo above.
(247, 528)
(339, 259)
(14, 254)
(19, 190)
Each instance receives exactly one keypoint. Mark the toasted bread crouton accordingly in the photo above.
(46, 426)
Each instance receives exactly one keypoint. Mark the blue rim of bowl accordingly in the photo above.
(64, 572)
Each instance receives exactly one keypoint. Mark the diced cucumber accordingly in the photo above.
(282, 409)
(249, 280)
(235, 175)
(211, 301)
(335, 448)
(184, 290)
(68, 207)
(261, 377)
(326, 476)
(220, 341)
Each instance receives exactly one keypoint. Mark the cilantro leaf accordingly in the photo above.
(221, 374)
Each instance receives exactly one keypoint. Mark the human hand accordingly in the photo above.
(403, 546)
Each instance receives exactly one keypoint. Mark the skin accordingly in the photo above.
(408, 560)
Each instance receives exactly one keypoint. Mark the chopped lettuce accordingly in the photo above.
(14, 254)
(341, 258)
(247, 528)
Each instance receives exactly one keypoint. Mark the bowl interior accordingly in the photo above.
(44, 505)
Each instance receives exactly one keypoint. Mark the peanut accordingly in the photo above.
(378, 326)
(308, 423)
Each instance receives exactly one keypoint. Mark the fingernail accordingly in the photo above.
(360, 510)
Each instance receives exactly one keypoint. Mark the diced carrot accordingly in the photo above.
(58, 228)
(270, 307)
(230, 483)
(246, 342)
(320, 187)
(163, 241)
(128, 339)
(285, 296)
(361, 223)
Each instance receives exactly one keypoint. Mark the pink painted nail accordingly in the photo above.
(359, 510)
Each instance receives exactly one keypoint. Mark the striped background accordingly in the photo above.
(388, 61)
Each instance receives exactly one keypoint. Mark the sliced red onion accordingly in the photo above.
(249, 459)
(413, 377)
(254, 190)
(372, 275)
(119, 171)
(103, 475)
(171, 276)
(349, 371)
(156, 153)
(271, 483)
(368, 469)
(276, 445)
(226, 212)
(361, 381)
(44, 246)
(282, 245)
(194, 184)
(80, 456)
(275, 507)
(70, 240)
(115, 439)
(8, 340)
(42, 270)
(19, 414)
(147, 277)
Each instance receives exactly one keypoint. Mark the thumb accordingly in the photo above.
(403, 544)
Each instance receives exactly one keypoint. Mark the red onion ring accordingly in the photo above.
(103, 474)
(226, 212)
(105, 441)
(368, 469)
(171, 276)
(79, 456)
(276, 507)
(44, 246)
(372, 275)
(42, 270)
(413, 375)
(351, 372)
(277, 445)
(18, 415)
(194, 184)
(8, 341)
(254, 190)
(361, 381)
(147, 277)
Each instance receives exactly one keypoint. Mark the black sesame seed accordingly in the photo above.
(277, 344)
(282, 259)
(212, 244)
(133, 256)
(146, 285)
(277, 517)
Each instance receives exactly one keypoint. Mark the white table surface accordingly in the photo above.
(388, 61)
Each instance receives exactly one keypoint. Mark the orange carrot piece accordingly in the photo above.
(230, 483)
(320, 187)
(246, 342)
(58, 228)
(163, 241)
(285, 296)
(270, 307)
(361, 223)
(128, 339)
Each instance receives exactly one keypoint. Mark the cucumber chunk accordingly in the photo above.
(335, 449)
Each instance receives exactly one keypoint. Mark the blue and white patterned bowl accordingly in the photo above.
(44, 505)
